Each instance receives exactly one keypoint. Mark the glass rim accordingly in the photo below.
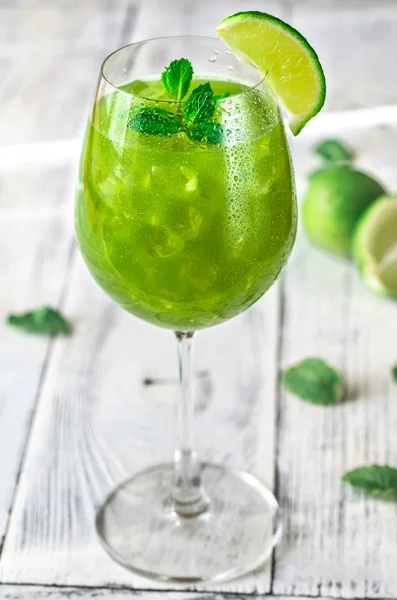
(249, 88)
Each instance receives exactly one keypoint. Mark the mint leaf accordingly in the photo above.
(221, 96)
(154, 121)
(200, 105)
(42, 320)
(206, 133)
(375, 480)
(177, 77)
(334, 151)
(314, 380)
(394, 373)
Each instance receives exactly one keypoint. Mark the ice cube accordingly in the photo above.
(172, 179)
(162, 242)
(198, 274)
(185, 219)
(190, 178)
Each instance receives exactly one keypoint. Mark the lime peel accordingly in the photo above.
(335, 199)
(282, 53)
(375, 246)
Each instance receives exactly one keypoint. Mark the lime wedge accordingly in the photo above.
(375, 246)
(282, 54)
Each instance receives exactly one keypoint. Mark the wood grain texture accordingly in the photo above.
(32, 278)
(53, 59)
(38, 191)
(192, 17)
(338, 543)
(77, 27)
(36, 592)
(37, 98)
(97, 423)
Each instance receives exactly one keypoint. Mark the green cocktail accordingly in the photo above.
(185, 233)
(185, 215)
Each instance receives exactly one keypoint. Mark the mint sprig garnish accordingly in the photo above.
(394, 373)
(44, 320)
(177, 77)
(194, 117)
(375, 480)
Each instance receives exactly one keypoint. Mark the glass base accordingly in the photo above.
(139, 528)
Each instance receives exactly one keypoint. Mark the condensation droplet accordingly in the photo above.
(212, 58)
(230, 67)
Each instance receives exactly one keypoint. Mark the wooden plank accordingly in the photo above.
(37, 191)
(352, 45)
(37, 592)
(34, 257)
(80, 27)
(356, 4)
(51, 101)
(63, 4)
(58, 107)
(98, 423)
(337, 543)
(192, 17)
(39, 102)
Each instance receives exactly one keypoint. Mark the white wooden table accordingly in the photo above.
(75, 414)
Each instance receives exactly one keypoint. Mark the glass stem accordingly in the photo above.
(188, 498)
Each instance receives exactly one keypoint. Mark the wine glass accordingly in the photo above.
(186, 233)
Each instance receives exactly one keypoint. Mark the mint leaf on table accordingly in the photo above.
(200, 105)
(375, 480)
(394, 373)
(207, 133)
(44, 320)
(314, 380)
(154, 121)
(177, 77)
(334, 151)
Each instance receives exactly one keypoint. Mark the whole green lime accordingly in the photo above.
(334, 201)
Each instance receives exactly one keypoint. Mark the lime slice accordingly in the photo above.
(282, 54)
(375, 246)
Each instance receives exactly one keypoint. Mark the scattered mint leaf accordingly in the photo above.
(221, 96)
(394, 373)
(314, 380)
(177, 77)
(207, 133)
(334, 151)
(42, 320)
(155, 121)
(200, 105)
(376, 480)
